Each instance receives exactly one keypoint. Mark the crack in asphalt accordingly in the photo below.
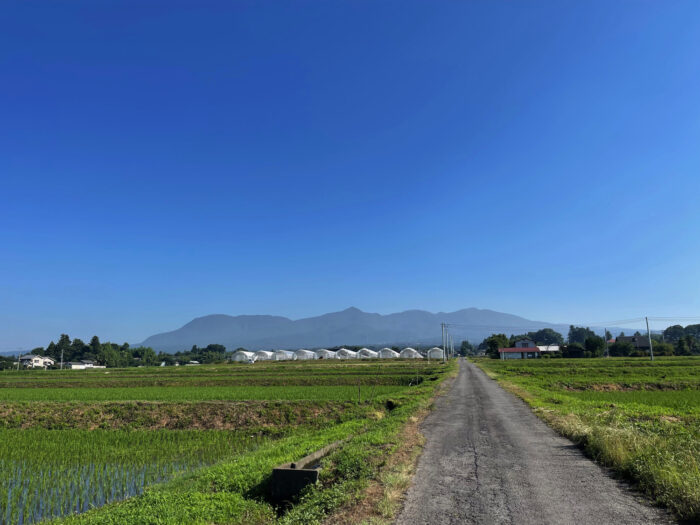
(521, 472)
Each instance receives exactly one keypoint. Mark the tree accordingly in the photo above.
(493, 343)
(546, 336)
(466, 348)
(77, 350)
(573, 350)
(673, 333)
(594, 346)
(663, 348)
(619, 349)
(63, 348)
(608, 335)
(693, 330)
(682, 347)
(578, 334)
(95, 345)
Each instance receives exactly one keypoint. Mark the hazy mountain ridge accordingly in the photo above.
(347, 327)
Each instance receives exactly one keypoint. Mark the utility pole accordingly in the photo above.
(444, 341)
(651, 347)
(605, 336)
(61, 358)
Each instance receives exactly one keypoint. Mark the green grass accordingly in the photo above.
(641, 418)
(74, 440)
(234, 490)
(204, 393)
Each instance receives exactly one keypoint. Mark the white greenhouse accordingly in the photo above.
(322, 353)
(241, 356)
(366, 353)
(435, 353)
(344, 353)
(303, 354)
(410, 353)
(264, 355)
(388, 353)
(283, 355)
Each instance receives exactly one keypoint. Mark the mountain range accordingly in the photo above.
(347, 327)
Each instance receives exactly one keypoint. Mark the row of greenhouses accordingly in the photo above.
(243, 356)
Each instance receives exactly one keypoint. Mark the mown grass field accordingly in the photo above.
(197, 444)
(641, 418)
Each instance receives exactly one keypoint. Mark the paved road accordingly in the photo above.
(489, 459)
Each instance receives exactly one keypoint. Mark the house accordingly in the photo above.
(36, 361)
(322, 353)
(436, 353)
(520, 352)
(388, 353)
(88, 363)
(366, 353)
(548, 348)
(525, 343)
(73, 365)
(641, 342)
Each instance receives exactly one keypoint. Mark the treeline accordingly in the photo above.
(582, 342)
(114, 355)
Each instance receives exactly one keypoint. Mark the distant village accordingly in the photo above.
(544, 343)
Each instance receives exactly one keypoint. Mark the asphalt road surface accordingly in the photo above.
(489, 459)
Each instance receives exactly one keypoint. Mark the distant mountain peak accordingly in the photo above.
(351, 326)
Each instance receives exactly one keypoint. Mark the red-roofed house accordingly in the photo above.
(524, 349)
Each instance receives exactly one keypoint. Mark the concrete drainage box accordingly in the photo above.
(290, 479)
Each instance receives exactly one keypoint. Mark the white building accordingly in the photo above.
(366, 353)
(388, 353)
(322, 353)
(344, 353)
(548, 348)
(283, 355)
(88, 363)
(436, 353)
(410, 353)
(36, 361)
(264, 355)
(241, 356)
(75, 366)
(303, 354)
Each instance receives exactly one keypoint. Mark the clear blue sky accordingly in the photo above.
(166, 160)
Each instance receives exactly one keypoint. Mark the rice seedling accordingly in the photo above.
(48, 473)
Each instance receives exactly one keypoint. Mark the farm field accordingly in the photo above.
(639, 417)
(196, 444)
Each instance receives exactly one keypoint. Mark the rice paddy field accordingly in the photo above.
(639, 417)
(197, 444)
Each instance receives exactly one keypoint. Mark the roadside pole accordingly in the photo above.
(651, 347)
(605, 336)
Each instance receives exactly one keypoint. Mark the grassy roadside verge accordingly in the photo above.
(381, 496)
(233, 491)
(618, 414)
